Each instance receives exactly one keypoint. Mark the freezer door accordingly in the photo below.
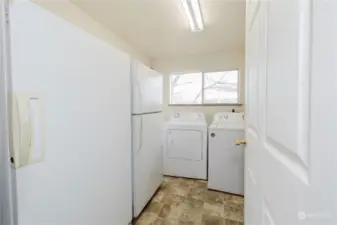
(147, 158)
(85, 82)
(147, 89)
(7, 173)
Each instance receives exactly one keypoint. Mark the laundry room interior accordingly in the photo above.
(151, 95)
(168, 112)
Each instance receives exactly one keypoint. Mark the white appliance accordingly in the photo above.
(226, 159)
(223, 116)
(147, 129)
(185, 145)
(72, 113)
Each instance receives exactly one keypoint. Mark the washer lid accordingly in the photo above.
(228, 116)
(228, 126)
(201, 124)
(186, 118)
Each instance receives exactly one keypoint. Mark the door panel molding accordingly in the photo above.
(289, 159)
(287, 106)
(304, 90)
(268, 219)
(252, 11)
(252, 79)
(252, 131)
(251, 175)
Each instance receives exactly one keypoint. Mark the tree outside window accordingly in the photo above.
(205, 88)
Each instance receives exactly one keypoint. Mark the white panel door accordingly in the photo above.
(7, 181)
(147, 89)
(291, 155)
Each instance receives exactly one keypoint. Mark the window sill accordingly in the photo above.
(223, 104)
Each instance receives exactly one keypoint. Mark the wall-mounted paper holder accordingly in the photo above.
(28, 131)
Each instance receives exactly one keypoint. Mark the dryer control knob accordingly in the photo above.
(212, 135)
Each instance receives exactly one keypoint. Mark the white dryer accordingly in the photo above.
(185, 146)
(226, 160)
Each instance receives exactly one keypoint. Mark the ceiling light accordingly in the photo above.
(193, 13)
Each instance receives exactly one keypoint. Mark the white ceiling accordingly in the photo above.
(159, 28)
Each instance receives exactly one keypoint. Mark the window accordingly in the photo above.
(205, 88)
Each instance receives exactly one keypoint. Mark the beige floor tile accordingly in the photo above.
(154, 207)
(177, 211)
(146, 218)
(183, 201)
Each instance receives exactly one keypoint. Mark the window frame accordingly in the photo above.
(239, 103)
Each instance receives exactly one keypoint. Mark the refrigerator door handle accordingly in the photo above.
(138, 83)
(140, 134)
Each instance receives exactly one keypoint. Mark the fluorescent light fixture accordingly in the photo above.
(193, 13)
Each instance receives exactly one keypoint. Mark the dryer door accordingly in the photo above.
(184, 144)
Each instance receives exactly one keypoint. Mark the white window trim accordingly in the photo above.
(239, 103)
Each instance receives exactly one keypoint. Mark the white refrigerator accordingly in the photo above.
(147, 125)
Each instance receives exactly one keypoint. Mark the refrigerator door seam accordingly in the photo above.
(146, 113)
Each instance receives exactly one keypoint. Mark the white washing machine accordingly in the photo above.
(185, 146)
(226, 159)
(220, 116)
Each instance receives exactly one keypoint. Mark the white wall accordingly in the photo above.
(197, 63)
(210, 62)
(68, 11)
(85, 178)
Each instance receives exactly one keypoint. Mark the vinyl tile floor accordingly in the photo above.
(182, 201)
